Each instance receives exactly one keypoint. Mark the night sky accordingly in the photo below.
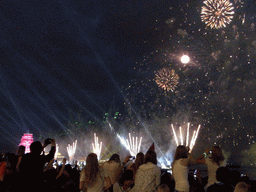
(60, 58)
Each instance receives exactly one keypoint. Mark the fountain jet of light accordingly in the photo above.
(131, 144)
(187, 134)
(195, 137)
(56, 152)
(190, 143)
(97, 146)
(71, 150)
(175, 136)
(181, 137)
(192, 140)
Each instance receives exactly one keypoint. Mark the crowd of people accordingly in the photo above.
(35, 172)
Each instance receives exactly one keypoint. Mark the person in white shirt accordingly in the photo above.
(92, 177)
(148, 175)
(182, 159)
(113, 168)
(213, 159)
(138, 162)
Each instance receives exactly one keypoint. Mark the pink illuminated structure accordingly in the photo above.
(26, 141)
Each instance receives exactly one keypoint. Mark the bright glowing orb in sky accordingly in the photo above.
(185, 59)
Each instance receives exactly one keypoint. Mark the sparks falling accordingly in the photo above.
(132, 144)
(97, 146)
(217, 13)
(190, 143)
(71, 150)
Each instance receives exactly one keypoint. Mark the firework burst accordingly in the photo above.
(167, 79)
(217, 13)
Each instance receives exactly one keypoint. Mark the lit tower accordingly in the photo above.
(26, 141)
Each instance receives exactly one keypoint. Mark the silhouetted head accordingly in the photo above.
(235, 177)
(163, 188)
(92, 159)
(223, 174)
(181, 152)
(139, 159)
(150, 157)
(115, 157)
(36, 147)
(21, 150)
(242, 187)
(68, 168)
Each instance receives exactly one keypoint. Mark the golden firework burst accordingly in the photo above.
(167, 79)
(217, 13)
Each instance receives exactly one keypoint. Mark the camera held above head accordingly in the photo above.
(47, 141)
(132, 158)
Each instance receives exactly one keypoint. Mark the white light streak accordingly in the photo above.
(190, 143)
(56, 152)
(187, 135)
(132, 144)
(71, 150)
(97, 146)
(175, 136)
(181, 137)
